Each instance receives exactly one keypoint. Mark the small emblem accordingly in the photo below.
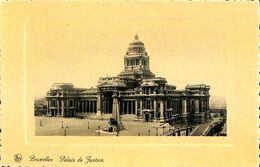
(18, 158)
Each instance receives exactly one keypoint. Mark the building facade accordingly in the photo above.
(136, 91)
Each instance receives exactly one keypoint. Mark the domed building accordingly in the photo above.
(135, 91)
(136, 61)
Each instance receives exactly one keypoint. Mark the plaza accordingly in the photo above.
(56, 126)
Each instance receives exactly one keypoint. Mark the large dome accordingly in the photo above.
(136, 42)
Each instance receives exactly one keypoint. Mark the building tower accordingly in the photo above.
(136, 61)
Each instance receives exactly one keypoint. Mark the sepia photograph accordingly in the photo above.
(129, 83)
(136, 100)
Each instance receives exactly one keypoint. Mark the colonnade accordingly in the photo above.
(128, 107)
(107, 105)
(89, 106)
(60, 107)
(160, 107)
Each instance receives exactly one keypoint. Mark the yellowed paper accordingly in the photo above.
(178, 79)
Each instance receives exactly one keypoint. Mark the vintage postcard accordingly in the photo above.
(129, 83)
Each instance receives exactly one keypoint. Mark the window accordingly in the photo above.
(53, 104)
(148, 105)
(137, 61)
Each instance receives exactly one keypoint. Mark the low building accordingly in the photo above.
(136, 91)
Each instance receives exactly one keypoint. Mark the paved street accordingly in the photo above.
(200, 129)
(203, 127)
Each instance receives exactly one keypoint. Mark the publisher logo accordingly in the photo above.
(18, 158)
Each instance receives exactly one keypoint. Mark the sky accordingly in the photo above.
(89, 44)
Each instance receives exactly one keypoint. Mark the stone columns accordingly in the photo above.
(201, 105)
(68, 108)
(78, 106)
(58, 108)
(98, 104)
(86, 106)
(136, 107)
(197, 109)
(141, 108)
(93, 106)
(127, 107)
(62, 107)
(197, 106)
(154, 108)
(202, 114)
(48, 105)
(104, 106)
(184, 107)
(161, 110)
(132, 107)
(184, 111)
(82, 106)
(123, 107)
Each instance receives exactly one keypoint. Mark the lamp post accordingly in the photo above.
(61, 124)
(98, 130)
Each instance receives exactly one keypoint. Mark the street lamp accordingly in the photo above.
(98, 130)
